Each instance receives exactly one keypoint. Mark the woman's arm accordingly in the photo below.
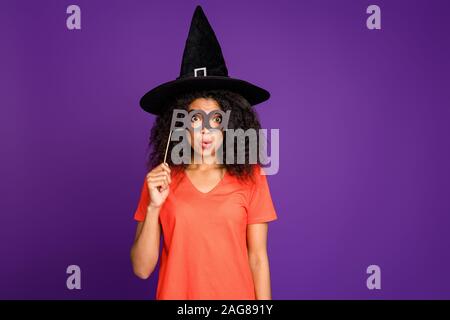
(258, 259)
(145, 250)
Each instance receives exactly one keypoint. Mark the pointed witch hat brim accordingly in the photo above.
(203, 68)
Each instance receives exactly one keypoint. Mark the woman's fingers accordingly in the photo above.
(159, 177)
(164, 167)
(158, 183)
(164, 176)
(159, 174)
(160, 169)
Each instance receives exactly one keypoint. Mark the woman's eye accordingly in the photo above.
(218, 119)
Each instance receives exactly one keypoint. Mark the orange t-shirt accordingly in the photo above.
(204, 253)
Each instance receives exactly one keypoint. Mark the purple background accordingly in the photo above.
(364, 125)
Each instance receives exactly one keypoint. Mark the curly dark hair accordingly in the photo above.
(242, 116)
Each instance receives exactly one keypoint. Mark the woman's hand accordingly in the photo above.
(158, 181)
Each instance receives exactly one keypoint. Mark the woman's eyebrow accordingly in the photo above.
(205, 111)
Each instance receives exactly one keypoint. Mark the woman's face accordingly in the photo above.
(204, 141)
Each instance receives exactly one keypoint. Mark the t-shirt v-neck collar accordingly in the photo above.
(218, 184)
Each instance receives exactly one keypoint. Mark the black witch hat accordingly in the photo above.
(203, 67)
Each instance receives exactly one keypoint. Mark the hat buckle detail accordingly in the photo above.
(200, 69)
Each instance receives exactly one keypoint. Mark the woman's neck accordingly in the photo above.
(204, 166)
(207, 163)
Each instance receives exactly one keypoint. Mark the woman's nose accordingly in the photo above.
(205, 130)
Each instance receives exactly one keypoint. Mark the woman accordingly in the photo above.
(213, 217)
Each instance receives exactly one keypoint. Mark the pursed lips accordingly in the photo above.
(206, 143)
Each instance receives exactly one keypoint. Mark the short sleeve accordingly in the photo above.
(144, 201)
(260, 206)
